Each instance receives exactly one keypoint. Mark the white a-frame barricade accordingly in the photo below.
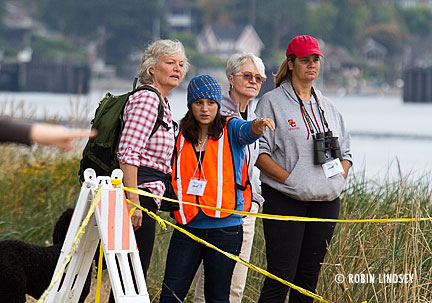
(111, 224)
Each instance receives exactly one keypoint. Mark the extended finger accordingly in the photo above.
(270, 124)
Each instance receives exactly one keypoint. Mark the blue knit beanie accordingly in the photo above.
(204, 87)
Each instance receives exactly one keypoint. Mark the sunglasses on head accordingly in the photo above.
(248, 76)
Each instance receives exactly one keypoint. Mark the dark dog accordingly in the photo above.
(28, 269)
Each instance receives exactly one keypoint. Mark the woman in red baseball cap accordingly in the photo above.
(303, 164)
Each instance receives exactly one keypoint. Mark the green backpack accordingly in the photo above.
(100, 151)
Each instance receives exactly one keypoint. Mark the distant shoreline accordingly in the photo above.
(122, 84)
(110, 84)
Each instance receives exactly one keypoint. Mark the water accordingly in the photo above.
(386, 133)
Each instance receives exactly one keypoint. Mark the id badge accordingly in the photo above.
(196, 187)
(332, 168)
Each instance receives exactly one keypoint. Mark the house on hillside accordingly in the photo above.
(224, 41)
(20, 22)
(338, 59)
(181, 15)
(373, 52)
(340, 70)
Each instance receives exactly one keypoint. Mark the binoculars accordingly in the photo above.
(326, 146)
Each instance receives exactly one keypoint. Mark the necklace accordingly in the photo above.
(201, 142)
(202, 139)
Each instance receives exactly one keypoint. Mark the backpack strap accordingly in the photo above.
(134, 83)
(159, 119)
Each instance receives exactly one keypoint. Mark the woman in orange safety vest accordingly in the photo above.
(208, 169)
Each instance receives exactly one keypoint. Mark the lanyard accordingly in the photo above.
(199, 164)
(310, 123)
(320, 109)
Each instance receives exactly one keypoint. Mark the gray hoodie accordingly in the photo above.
(291, 145)
(229, 108)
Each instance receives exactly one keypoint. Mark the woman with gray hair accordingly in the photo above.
(246, 74)
(144, 156)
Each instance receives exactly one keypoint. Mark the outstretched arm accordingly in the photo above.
(15, 131)
(57, 135)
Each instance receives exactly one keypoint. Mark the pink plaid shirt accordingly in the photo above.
(135, 146)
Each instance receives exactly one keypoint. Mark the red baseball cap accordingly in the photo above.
(303, 46)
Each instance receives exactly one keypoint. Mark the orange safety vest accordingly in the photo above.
(218, 167)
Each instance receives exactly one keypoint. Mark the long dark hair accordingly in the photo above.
(190, 128)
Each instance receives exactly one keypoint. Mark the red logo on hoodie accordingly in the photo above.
(292, 123)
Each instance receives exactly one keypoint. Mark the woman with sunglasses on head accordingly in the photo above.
(246, 74)
(303, 166)
(208, 169)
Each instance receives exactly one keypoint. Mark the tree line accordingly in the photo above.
(127, 26)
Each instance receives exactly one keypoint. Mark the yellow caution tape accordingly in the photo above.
(151, 214)
(277, 217)
(116, 182)
(99, 274)
(74, 246)
(234, 257)
(132, 211)
(163, 223)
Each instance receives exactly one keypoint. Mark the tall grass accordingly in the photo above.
(372, 249)
(381, 248)
(37, 186)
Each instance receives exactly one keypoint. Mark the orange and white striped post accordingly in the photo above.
(111, 224)
(120, 248)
